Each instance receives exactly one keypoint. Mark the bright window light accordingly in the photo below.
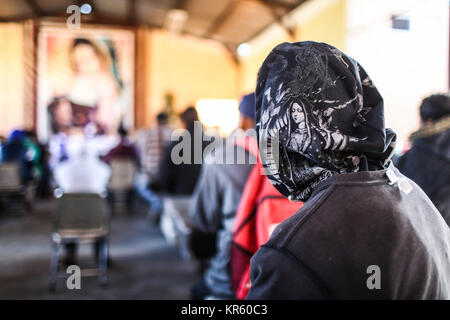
(244, 49)
(221, 114)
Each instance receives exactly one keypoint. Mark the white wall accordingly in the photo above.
(406, 66)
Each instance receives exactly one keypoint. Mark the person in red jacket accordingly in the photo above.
(260, 210)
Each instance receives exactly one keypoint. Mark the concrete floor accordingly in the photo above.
(144, 265)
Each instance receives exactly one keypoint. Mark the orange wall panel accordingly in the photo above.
(190, 69)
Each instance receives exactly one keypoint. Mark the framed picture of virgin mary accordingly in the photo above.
(85, 81)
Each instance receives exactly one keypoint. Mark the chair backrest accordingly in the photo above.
(81, 212)
(123, 172)
(9, 176)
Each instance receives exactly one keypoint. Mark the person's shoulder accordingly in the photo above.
(284, 233)
(329, 209)
(343, 208)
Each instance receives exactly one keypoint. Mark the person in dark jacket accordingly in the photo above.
(180, 177)
(13, 147)
(427, 163)
(215, 202)
(365, 231)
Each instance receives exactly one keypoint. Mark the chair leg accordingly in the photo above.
(54, 267)
(103, 262)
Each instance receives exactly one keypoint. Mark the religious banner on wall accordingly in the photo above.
(85, 81)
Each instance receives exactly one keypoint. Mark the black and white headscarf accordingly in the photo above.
(326, 114)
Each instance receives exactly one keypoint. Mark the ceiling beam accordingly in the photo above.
(232, 52)
(180, 4)
(131, 12)
(102, 19)
(279, 4)
(17, 18)
(37, 10)
(290, 32)
(278, 17)
(23, 17)
(221, 19)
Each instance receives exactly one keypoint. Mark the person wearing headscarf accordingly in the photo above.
(365, 231)
(427, 163)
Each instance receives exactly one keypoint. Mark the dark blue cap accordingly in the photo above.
(17, 134)
(247, 106)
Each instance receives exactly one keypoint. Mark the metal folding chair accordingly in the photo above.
(11, 188)
(123, 173)
(80, 218)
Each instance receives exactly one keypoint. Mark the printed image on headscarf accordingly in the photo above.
(300, 135)
(85, 81)
(326, 113)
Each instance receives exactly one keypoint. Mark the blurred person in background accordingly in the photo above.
(33, 155)
(13, 147)
(82, 173)
(216, 200)
(58, 149)
(123, 150)
(44, 186)
(38, 161)
(151, 144)
(365, 231)
(2, 141)
(15, 150)
(180, 179)
(427, 163)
